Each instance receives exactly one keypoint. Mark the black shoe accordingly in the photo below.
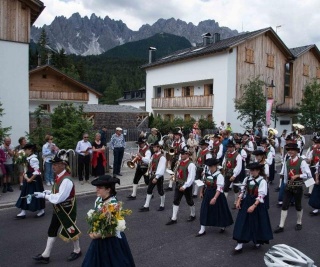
(277, 189)
(168, 189)
(73, 256)
(194, 196)
(160, 208)
(39, 216)
(171, 222)
(41, 259)
(119, 174)
(222, 230)
(307, 195)
(191, 218)
(298, 227)
(198, 235)
(313, 213)
(131, 197)
(10, 189)
(278, 230)
(143, 209)
(20, 217)
(4, 189)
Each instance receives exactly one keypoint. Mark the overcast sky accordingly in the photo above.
(299, 20)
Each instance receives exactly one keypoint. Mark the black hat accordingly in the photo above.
(258, 152)
(217, 135)
(238, 141)
(230, 143)
(177, 132)
(246, 133)
(211, 162)
(61, 156)
(141, 140)
(33, 147)
(156, 143)
(105, 180)
(264, 141)
(203, 143)
(292, 146)
(185, 150)
(255, 166)
(289, 137)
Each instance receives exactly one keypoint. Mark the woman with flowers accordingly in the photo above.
(109, 246)
(32, 183)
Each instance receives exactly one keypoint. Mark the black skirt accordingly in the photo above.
(215, 215)
(253, 226)
(314, 200)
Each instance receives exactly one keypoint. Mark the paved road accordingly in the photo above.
(151, 241)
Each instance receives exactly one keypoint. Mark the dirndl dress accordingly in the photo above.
(314, 200)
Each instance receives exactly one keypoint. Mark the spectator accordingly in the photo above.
(49, 149)
(84, 149)
(153, 136)
(117, 144)
(8, 150)
(98, 156)
(193, 144)
(103, 134)
(22, 142)
(2, 160)
(229, 127)
(222, 127)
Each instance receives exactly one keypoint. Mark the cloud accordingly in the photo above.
(299, 19)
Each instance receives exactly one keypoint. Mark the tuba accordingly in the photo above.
(132, 163)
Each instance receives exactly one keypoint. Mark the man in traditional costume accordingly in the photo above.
(63, 199)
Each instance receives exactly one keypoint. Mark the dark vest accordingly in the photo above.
(182, 171)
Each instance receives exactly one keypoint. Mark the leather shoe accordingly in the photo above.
(298, 227)
(198, 234)
(131, 197)
(278, 230)
(144, 209)
(313, 213)
(20, 217)
(73, 256)
(191, 218)
(39, 216)
(168, 189)
(160, 208)
(41, 259)
(171, 222)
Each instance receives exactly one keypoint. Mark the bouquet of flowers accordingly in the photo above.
(107, 219)
(20, 158)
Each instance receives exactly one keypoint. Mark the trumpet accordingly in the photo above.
(172, 151)
(132, 163)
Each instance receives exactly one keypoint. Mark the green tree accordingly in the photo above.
(4, 131)
(112, 92)
(309, 108)
(68, 125)
(252, 104)
(42, 46)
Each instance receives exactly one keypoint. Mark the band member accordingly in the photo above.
(203, 155)
(65, 211)
(247, 145)
(214, 207)
(294, 171)
(252, 223)
(244, 156)
(270, 152)
(143, 159)
(184, 176)
(156, 173)
(232, 165)
(177, 145)
(313, 158)
(216, 147)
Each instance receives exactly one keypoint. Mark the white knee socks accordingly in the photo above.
(162, 199)
(283, 218)
(175, 210)
(193, 211)
(134, 190)
(47, 251)
(299, 216)
(76, 246)
(148, 198)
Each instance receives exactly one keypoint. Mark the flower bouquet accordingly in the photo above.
(107, 219)
(20, 158)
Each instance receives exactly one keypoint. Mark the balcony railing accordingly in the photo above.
(201, 102)
(45, 95)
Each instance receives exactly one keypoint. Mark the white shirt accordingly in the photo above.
(64, 191)
(304, 168)
(238, 167)
(191, 175)
(161, 166)
(147, 157)
(220, 179)
(262, 190)
(83, 146)
(249, 145)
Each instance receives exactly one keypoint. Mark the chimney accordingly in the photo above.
(216, 37)
(206, 38)
(39, 60)
(152, 54)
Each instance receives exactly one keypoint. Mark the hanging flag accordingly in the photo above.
(268, 111)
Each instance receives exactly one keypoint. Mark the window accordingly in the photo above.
(168, 117)
(187, 117)
(318, 73)
(249, 55)
(169, 92)
(187, 91)
(287, 80)
(44, 76)
(270, 61)
(208, 89)
(158, 91)
(305, 70)
(45, 107)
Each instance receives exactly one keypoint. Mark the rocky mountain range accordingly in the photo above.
(93, 36)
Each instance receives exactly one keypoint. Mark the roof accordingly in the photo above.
(222, 45)
(72, 80)
(96, 108)
(36, 7)
(299, 51)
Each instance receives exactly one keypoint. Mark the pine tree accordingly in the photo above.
(3, 130)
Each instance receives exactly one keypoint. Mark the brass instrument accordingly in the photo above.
(132, 163)
(172, 151)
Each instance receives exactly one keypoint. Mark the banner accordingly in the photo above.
(268, 111)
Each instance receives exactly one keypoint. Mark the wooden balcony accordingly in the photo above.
(44, 95)
(180, 102)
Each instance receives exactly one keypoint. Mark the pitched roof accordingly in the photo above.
(96, 108)
(220, 46)
(36, 7)
(298, 51)
(72, 80)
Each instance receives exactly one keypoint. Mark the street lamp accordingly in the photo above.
(269, 101)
